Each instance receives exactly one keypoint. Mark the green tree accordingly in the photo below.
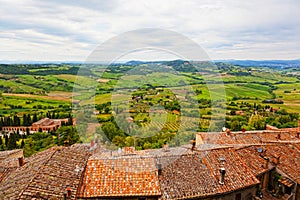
(35, 119)
(129, 141)
(111, 130)
(22, 144)
(1, 144)
(25, 120)
(6, 139)
(257, 122)
(67, 133)
(29, 147)
(235, 125)
(119, 141)
(12, 144)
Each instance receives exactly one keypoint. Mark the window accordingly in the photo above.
(238, 196)
(249, 196)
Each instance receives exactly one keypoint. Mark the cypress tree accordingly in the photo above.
(6, 140)
(25, 121)
(27, 131)
(22, 144)
(29, 120)
(11, 144)
(34, 118)
(70, 120)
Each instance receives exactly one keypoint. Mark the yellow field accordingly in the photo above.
(51, 96)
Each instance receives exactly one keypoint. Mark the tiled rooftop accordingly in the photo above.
(186, 177)
(128, 173)
(9, 153)
(197, 175)
(120, 176)
(289, 159)
(46, 174)
(288, 154)
(9, 161)
(253, 160)
(248, 137)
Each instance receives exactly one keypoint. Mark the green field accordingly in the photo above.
(138, 88)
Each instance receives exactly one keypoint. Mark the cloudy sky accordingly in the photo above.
(32, 30)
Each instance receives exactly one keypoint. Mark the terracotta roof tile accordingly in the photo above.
(120, 176)
(197, 175)
(288, 154)
(251, 157)
(248, 137)
(289, 159)
(46, 174)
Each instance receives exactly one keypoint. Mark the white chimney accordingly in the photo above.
(222, 173)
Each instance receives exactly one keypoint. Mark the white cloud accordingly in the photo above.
(70, 30)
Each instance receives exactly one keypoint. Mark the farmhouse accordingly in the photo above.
(44, 125)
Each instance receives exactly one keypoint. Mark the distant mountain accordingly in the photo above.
(137, 62)
(267, 63)
(180, 65)
(134, 62)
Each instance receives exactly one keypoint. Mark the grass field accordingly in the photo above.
(10, 103)
(54, 90)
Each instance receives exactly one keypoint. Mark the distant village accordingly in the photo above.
(243, 165)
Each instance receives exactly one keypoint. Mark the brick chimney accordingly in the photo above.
(21, 161)
(92, 143)
(279, 136)
(66, 143)
(227, 131)
(222, 175)
(69, 192)
(276, 160)
(266, 164)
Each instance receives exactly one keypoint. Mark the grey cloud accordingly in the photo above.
(220, 26)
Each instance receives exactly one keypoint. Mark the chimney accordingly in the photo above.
(92, 143)
(66, 143)
(266, 164)
(21, 161)
(276, 160)
(193, 142)
(222, 173)
(159, 168)
(165, 147)
(227, 131)
(279, 136)
(69, 192)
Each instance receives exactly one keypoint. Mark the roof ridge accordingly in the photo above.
(38, 171)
